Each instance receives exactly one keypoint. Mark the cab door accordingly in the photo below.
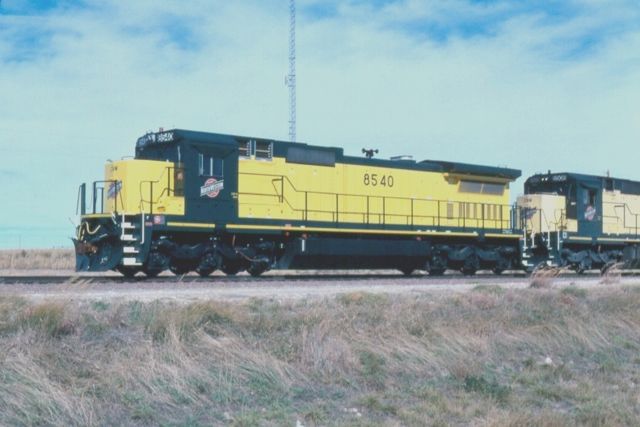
(211, 196)
(589, 211)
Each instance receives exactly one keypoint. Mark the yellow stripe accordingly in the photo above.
(611, 239)
(503, 236)
(347, 230)
(190, 224)
(579, 238)
(89, 216)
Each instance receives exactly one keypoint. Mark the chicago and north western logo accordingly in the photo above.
(530, 212)
(114, 189)
(590, 213)
(211, 188)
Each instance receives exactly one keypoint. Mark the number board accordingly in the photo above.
(378, 180)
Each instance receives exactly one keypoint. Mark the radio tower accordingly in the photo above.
(291, 78)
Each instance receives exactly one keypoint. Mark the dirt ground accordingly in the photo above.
(282, 288)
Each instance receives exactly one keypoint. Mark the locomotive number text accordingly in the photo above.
(375, 180)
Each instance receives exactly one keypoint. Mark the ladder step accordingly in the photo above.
(130, 250)
(127, 238)
(130, 261)
(127, 225)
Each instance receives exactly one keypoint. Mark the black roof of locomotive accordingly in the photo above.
(625, 186)
(182, 136)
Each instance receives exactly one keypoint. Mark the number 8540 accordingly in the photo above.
(375, 180)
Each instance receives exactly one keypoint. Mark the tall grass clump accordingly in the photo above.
(47, 319)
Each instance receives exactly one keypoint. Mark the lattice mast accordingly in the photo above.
(291, 78)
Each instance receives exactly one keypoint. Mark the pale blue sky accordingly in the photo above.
(534, 85)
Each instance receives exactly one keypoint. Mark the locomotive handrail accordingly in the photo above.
(166, 190)
(556, 224)
(117, 195)
(526, 223)
(364, 214)
(81, 202)
(481, 221)
(150, 201)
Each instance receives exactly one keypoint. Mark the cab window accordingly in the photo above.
(210, 166)
(589, 197)
(264, 150)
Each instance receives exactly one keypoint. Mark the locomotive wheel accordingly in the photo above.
(436, 267)
(407, 270)
(204, 272)
(152, 272)
(583, 266)
(179, 270)
(230, 269)
(209, 263)
(155, 264)
(501, 266)
(127, 272)
(470, 266)
(255, 271)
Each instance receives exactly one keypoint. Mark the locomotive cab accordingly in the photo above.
(153, 193)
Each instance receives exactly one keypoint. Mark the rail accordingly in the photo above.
(380, 210)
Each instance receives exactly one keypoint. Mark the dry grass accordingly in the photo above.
(37, 259)
(489, 357)
(613, 273)
(543, 275)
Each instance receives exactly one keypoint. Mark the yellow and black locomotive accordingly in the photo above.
(579, 221)
(194, 201)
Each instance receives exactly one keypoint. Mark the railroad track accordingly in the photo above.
(273, 277)
(59, 279)
(273, 286)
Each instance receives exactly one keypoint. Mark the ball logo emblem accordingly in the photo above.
(211, 188)
(590, 213)
(529, 213)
